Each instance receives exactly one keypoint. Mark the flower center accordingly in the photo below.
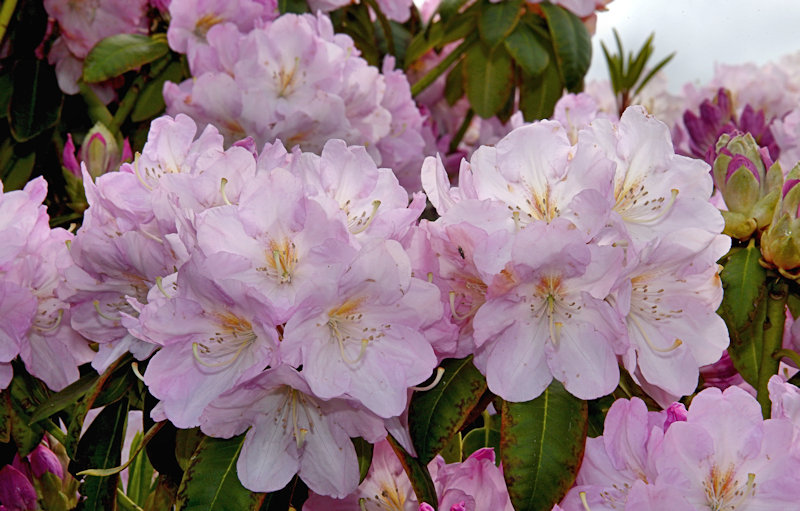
(346, 328)
(224, 347)
(724, 492)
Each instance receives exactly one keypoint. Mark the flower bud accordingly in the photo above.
(749, 182)
(100, 151)
(16, 491)
(44, 460)
(780, 244)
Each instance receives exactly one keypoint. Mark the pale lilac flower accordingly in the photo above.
(293, 79)
(545, 316)
(386, 487)
(291, 431)
(472, 485)
(363, 338)
(672, 323)
(210, 339)
(785, 399)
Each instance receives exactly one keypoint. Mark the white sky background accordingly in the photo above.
(702, 32)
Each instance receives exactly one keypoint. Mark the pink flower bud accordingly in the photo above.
(44, 460)
(16, 491)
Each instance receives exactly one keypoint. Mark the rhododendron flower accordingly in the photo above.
(720, 455)
(295, 80)
(472, 485)
(363, 338)
(291, 431)
(545, 316)
(35, 322)
(211, 339)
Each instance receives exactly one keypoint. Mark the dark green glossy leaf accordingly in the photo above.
(22, 402)
(35, 100)
(454, 84)
(417, 473)
(6, 87)
(18, 169)
(100, 447)
(162, 498)
(541, 447)
(292, 6)
(87, 402)
(488, 79)
(497, 20)
(364, 454)
(487, 435)
(449, 8)
(572, 44)
(436, 415)
(151, 100)
(460, 27)
(527, 51)
(121, 53)
(744, 308)
(538, 95)
(186, 442)
(5, 417)
(451, 453)
(422, 43)
(598, 408)
(210, 483)
(66, 397)
(140, 473)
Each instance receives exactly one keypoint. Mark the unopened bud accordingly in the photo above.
(100, 151)
(780, 244)
(749, 182)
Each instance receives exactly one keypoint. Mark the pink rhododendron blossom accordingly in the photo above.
(545, 317)
(35, 320)
(395, 10)
(290, 431)
(472, 485)
(363, 338)
(719, 454)
(211, 339)
(293, 79)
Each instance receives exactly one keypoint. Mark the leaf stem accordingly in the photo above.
(462, 130)
(790, 354)
(424, 82)
(773, 338)
(6, 12)
(97, 110)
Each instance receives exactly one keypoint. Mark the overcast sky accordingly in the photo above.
(701, 32)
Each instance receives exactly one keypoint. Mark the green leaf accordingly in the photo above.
(66, 397)
(5, 418)
(162, 498)
(210, 483)
(793, 304)
(497, 20)
(538, 95)
(488, 79)
(461, 26)
(454, 84)
(35, 100)
(436, 415)
(6, 87)
(528, 53)
(572, 44)
(487, 435)
(26, 436)
(292, 6)
(541, 447)
(422, 43)
(417, 473)
(364, 454)
(451, 453)
(140, 473)
(186, 442)
(151, 100)
(100, 447)
(449, 8)
(121, 53)
(744, 308)
(17, 169)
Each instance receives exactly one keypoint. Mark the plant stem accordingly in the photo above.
(6, 12)
(97, 110)
(773, 338)
(424, 82)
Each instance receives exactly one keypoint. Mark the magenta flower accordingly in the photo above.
(16, 491)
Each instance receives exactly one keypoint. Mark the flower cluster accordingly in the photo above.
(720, 454)
(34, 320)
(273, 286)
(561, 260)
(472, 485)
(294, 80)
